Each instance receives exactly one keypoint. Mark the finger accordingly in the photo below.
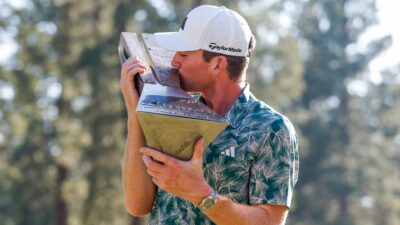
(153, 173)
(158, 156)
(136, 62)
(146, 159)
(134, 59)
(152, 165)
(132, 62)
(157, 182)
(130, 65)
(132, 69)
(198, 149)
(133, 72)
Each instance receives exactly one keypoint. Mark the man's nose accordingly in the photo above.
(175, 61)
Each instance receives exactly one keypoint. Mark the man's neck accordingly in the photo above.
(222, 96)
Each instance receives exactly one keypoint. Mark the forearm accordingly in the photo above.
(139, 189)
(228, 212)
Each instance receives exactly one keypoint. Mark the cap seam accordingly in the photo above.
(230, 33)
(203, 35)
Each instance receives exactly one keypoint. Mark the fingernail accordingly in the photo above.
(144, 160)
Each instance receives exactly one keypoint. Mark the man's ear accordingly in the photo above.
(218, 64)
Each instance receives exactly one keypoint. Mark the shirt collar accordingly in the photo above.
(239, 109)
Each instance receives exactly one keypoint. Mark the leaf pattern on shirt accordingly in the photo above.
(264, 168)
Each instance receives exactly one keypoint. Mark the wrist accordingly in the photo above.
(131, 108)
(209, 201)
(200, 195)
(131, 103)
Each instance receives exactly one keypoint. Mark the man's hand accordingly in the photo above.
(132, 67)
(181, 178)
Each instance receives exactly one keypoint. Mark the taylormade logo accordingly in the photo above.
(214, 45)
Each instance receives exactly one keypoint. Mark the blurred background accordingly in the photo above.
(332, 66)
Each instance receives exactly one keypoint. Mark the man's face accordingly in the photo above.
(193, 70)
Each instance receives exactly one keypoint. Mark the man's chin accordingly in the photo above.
(184, 86)
(189, 90)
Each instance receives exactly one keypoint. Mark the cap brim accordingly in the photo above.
(173, 41)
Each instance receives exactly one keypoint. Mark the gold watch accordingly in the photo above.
(209, 201)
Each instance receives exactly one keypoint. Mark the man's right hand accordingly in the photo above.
(132, 67)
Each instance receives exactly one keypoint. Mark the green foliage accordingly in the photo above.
(62, 132)
(335, 169)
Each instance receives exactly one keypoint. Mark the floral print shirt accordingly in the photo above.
(253, 161)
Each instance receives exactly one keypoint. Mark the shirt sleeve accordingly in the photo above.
(276, 166)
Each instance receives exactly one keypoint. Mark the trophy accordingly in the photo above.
(170, 118)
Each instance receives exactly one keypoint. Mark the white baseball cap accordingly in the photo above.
(211, 28)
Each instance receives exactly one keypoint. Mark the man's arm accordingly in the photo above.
(139, 190)
(227, 212)
(185, 180)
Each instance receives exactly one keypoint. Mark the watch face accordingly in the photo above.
(209, 203)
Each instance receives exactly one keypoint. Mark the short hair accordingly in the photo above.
(236, 64)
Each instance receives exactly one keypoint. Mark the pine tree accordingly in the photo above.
(329, 184)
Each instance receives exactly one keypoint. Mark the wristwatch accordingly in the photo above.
(209, 201)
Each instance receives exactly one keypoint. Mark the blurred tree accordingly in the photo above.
(62, 136)
(30, 168)
(335, 157)
(380, 174)
(275, 66)
(62, 129)
(65, 120)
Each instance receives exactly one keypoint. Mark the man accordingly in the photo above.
(247, 174)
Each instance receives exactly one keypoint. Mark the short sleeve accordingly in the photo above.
(276, 166)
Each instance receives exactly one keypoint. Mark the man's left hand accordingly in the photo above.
(181, 178)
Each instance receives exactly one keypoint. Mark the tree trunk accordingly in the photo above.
(136, 221)
(61, 206)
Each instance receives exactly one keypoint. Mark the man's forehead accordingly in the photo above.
(191, 52)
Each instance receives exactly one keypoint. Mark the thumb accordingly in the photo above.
(198, 149)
